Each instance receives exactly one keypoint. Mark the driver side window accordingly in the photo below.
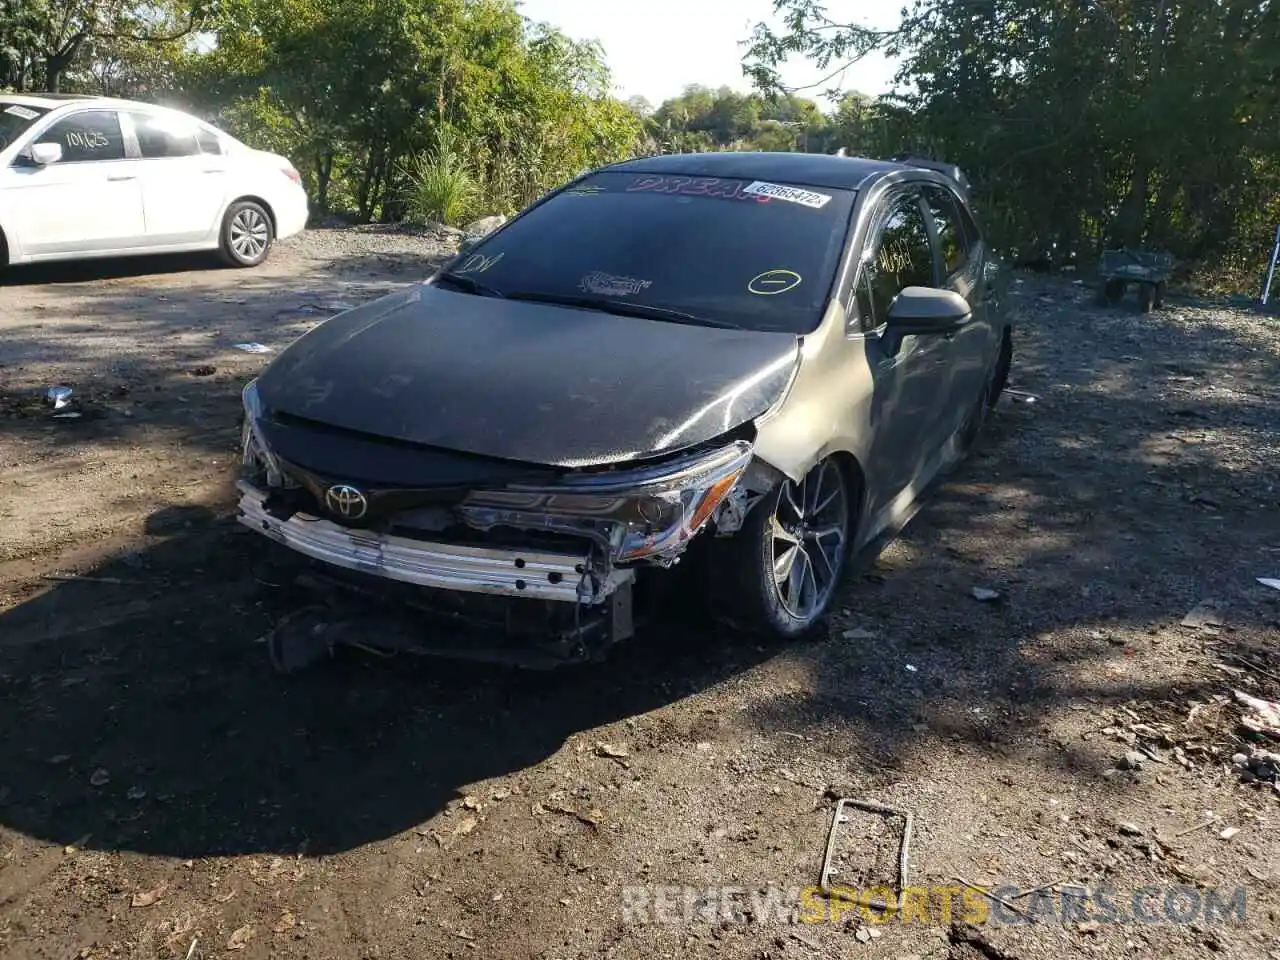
(87, 137)
(902, 257)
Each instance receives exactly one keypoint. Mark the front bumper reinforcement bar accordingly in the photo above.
(506, 572)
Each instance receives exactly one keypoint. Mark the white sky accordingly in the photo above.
(656, 48)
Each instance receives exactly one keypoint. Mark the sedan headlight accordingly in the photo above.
(651, 512)
(256, 456)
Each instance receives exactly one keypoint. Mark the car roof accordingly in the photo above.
(809, 169)
(52, 101)
(46, 100)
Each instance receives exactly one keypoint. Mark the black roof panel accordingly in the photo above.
(806, 169)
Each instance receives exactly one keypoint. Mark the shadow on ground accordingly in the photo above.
(115, 268)
(154, 676)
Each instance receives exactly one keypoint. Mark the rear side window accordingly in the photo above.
(208, 140)
(87, 137)
(162, 136)
(902, 256)
(953, 244)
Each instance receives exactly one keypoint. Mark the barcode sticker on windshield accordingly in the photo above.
(777, 191)
(21, 112)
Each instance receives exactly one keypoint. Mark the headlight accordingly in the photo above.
(256, 456)
(652, 512)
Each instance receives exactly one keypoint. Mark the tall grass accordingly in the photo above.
(441, 186)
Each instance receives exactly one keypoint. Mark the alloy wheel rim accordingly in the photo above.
(249, 234)
(808, 533)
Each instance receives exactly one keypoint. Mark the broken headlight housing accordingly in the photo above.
(647, 514)
(256, 457)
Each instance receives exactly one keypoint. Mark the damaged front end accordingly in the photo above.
(549, 556)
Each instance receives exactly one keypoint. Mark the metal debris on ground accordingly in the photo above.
(59, 396)
(1020, 396)
(253, 347)
(1269, 582)
(838, 817)
(985, 594)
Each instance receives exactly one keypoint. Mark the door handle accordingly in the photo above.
(126, 176)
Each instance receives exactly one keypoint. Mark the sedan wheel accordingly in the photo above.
(780, 572)
(808, 530)
(246, 234)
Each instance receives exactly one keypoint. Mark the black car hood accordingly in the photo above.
(537, 383)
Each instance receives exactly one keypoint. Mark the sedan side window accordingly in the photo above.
(87, 137)
(161, 136)
(903, 257)
(952, 242)
(208, 140)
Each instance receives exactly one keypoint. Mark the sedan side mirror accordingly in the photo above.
(925, 310)
(43, 154)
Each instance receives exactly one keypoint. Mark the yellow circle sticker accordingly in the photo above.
(773, 282)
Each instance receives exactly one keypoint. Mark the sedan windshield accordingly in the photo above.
(740, 253)
(15, 118)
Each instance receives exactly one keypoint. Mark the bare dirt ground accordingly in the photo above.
(164, 795)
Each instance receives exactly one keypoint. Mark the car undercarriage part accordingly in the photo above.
(385, 618)
(838, 817)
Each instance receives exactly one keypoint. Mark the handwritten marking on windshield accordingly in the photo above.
(607, 285)
(478, 263)
(772, 282)
(694, 187)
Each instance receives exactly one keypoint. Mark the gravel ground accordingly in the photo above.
(163, 795)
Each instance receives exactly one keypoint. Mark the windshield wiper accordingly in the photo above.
(623, 308)
(468, 285)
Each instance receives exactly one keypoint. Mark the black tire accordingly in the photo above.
(1146, 296)
(1159, 300)
(247, 234)
(745, 595)
(1113, 292)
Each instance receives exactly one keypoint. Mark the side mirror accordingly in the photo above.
(924, 310)
(43, 154)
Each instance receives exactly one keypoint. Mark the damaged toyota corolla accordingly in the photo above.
(760, 361)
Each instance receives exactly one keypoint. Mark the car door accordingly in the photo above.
(183, 188)
(90, 201)
(905, 370)
(970, 350)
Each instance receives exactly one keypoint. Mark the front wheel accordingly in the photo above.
(247, 234)
(777, 576)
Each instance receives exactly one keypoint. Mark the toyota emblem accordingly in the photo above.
(347, 502)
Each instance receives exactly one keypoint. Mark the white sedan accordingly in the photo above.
(88, 177)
